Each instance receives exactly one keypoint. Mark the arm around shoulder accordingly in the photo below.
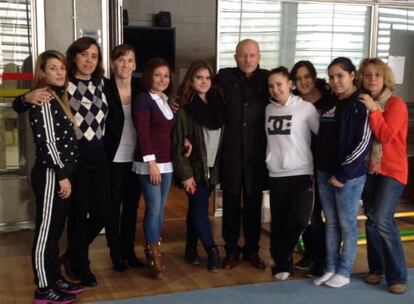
(20, 105)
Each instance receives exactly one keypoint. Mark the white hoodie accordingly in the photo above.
(288, 131)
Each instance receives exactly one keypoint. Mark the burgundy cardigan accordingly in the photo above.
(153, 130)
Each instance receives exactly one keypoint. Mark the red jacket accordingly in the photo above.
(390, 129)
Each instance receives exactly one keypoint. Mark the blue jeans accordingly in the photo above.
(155, 196)
(198, 222)
(340, 206)
(384, 247)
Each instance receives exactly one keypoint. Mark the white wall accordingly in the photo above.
(194, 22)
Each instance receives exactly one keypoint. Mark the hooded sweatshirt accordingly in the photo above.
(288, 131)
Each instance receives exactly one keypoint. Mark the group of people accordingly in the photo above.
(354, 142)
(101, 143)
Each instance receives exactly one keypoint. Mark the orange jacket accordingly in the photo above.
(390, 129)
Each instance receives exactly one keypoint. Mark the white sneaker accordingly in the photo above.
(323, 279)
(338, 281)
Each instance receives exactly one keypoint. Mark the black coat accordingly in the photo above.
(115, 119)
(244, 138)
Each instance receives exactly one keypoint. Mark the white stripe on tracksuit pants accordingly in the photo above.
(48, 197)
(51, 213)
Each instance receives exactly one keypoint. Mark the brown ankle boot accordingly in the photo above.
(154, 260)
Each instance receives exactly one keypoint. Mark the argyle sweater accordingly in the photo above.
(89, 107)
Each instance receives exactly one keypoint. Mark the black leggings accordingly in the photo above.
(291, 204)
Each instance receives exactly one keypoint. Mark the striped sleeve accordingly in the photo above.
(42, 124)
(360, 134)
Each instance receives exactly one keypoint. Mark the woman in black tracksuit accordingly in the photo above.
(56, 155)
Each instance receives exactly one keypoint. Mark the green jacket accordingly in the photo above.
(196, 165)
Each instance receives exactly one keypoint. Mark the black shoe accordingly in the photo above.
(317, 270)
(304, 263)
(89, 279)
(68, 287)
(85, 276)
(118, 263)
(132, 260)
(191, 255)
(51, 296)
(213, 261)
(254, 260)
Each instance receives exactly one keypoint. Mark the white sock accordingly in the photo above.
(337, 281)
(321, 280)
(282, 276)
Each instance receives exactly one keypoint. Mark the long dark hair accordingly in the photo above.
(79, 46)
(186, 91)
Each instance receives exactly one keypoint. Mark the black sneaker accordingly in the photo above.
(84, 275)
(88, 279)
(51, 296)
(68, 287)
(304, 263)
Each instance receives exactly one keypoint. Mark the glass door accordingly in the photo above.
(15, 79)
(16, 200)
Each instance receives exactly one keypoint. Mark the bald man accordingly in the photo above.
(243, 170)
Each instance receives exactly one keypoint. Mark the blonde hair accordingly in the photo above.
(39, 81)
(389, 79)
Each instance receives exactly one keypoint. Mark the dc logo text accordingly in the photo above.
(279, 125)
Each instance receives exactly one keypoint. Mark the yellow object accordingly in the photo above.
(12, 92)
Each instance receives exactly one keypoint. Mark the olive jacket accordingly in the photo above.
(189, 127)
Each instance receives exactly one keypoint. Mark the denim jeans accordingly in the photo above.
(384, 247)
(340, 206)
(198, 223)
(155, 196)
